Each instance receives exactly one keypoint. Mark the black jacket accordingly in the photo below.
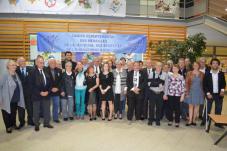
(183, 72)
(208, 82)
(37, 84)
(142, 80)
(25, 79)
(63, 83)
(55, 82)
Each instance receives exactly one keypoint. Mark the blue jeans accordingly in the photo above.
(55, 107)
(80, 102)
(123, 100)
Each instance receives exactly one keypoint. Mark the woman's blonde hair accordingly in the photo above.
(10, 61)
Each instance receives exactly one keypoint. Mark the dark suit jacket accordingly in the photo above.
(25, 79)
(37, 84)
(183, 72)
(142, 80)
(145, 70)
(208, 82)
(73, 64)
(55, 82)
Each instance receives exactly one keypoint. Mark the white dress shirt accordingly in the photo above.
(215, 81)
(96, 69)
(44, 77)
(136, 79)
(23, 71)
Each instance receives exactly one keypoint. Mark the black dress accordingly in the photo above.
(91, 82)
(105, 81)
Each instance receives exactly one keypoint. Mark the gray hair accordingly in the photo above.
(68, 63)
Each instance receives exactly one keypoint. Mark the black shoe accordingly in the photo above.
(48, 126)
(91, 119)
(36, 128)
(142, 118)
(177, 125)
(15, 127)
(65, 119)
(202, 124)
(193, 124)
(20, 126)
(71, 118)
(94, 118)
(56, 121)
(149, 123)
(188, 124)
(158, 123)
(219, 126)
(109, 119)
(31, 124)
(9, 130)
(170, 124)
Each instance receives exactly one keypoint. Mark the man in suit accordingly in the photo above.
(183, 72)
(148, 71)
(182, 67)
(55, 78)
(41, 87)
(204, 68)
(214, 88)
(68, 58)
(97, 70)
(136, 82)
(23, 72)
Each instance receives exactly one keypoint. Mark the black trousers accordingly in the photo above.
(134, 105)
(10, 118)
(45, 103)
(21, 115)
(155, 106)
(163, 111)
(21, 111)
(98, 102)
(218, 100)
(117, 103)
(29, 109)
(145, 104)
(173, 106)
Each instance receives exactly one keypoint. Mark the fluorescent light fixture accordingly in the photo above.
(104, 31)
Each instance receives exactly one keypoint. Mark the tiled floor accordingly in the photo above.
(112, 136)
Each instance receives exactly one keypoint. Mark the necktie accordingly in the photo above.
(22, 72)
(96, 69)
(43, 78)
(53, 74)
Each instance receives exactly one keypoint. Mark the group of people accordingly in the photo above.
(152, 90)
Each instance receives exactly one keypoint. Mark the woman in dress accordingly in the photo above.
(174, 94)
(92, 84)
(194, 92)
(106, 82)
